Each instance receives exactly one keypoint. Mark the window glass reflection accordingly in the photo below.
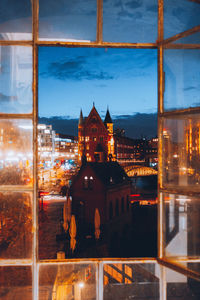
(15, 225)
(73, 21)
(130, 21)
(15, 20)
(180, 16)
(181, 149)
(125, 281)
(69, 281)
(15, 79)
(182, 239)
(182, 77)
(16, 156)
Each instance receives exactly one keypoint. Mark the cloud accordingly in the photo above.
(75, 69)
(190, 88)
(134, 4)
(5, 98)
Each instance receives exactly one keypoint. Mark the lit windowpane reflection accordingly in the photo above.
(15, 79)
(181, 151)
(126, 281)
(15, 225)
(16, 155)
(67, 281)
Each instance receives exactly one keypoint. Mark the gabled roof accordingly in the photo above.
(110, 173)
(93, 113)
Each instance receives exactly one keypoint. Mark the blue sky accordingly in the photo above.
(74, 78)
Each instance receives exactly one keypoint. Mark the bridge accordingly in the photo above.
(139, 171)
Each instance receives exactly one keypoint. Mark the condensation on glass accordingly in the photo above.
(16, 283)
(182, 226)
(181, 151)
(15, 225)
(129, 280)
(15, 79)
(67, 281)
(16, 154)
(139, 20)
(15, 20)
(180, 16)
(182, 78)
(72, 21)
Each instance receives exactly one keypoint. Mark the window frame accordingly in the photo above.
(161, 44)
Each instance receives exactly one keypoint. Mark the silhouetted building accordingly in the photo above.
(106, 187)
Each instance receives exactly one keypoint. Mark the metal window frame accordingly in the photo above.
(160, 45)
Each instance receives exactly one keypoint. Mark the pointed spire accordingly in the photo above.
(108, 117)
(81, 118)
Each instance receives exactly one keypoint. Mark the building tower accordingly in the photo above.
(81, 137)
(111, 144)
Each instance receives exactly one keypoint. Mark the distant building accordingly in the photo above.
(98, 141)
(95, 137)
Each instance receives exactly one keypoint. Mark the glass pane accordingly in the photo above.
(181, 287)
(15, 20)
(181, 149)
(191, 39)
(16, 155)
(180, 16)
(131, 281)
(67, 20)
(15, 225)
(67, 281)
(128, 21)
(15, 283)
(182, 225)
(15, 79)
(182, 78)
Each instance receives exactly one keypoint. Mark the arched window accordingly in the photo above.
(127, 203)
(117, 207)
(110, 210)
(122, 205)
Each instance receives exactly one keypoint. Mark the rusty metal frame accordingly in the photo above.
(160, 45)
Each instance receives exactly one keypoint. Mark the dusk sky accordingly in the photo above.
(74, 78)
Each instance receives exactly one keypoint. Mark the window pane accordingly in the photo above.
(15, 283)
(16, 156)
(191, 39)
(15, 79)
(67, 281)
(181, 151)
(180, 16)
(15, 20)
(181, 287)
(127, 281)
(182, 225)
(130, 21)
(67, 20)
(182, 78)
(15, 225)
